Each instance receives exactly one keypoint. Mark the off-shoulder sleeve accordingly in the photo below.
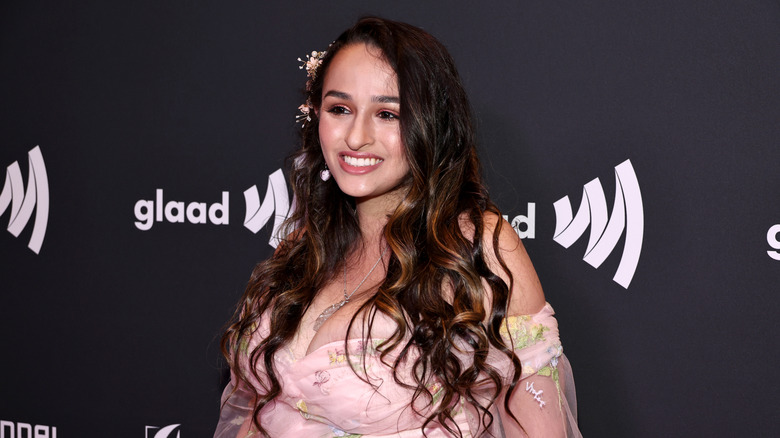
(238, 401)
(237, 406)
(544, 399)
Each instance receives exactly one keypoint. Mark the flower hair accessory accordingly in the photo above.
(311, 64)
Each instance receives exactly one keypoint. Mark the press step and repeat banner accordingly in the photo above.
(632, 145)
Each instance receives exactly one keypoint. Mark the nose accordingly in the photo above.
(361, 132)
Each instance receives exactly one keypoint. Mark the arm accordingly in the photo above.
(538, 401)
(526, 296)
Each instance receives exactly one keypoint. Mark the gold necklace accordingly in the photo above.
(330, 310)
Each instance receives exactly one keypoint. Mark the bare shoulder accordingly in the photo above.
(527, 296)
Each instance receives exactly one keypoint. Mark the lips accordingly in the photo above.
(359, 164)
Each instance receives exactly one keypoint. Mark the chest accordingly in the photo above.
(336, 327)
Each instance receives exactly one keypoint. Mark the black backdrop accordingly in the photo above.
(111, 330)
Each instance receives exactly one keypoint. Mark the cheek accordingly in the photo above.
(391, 137)
(326, 133)
(398, 150)
(401, 169)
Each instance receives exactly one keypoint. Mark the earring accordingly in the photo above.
(325, 174)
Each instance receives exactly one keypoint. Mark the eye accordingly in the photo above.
(387, 115)
(338, 110)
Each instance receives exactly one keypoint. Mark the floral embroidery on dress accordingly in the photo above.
(237, 420)
(243, 344)
(529, 387)
(303, 409)
(551, 371)
(521, 332)
(337, 356)
(306, 414)
(341, 434)
(436, 391)
(321, 377)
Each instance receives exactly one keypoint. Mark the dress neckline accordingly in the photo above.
(295, 359)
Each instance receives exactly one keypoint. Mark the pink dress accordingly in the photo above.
(323, 396)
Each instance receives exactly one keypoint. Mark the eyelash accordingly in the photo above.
(387, 115)
(340, 110)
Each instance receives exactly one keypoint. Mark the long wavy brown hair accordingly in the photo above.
(425, 234)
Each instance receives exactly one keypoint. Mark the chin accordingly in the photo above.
(357, 193)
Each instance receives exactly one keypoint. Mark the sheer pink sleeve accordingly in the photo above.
(544, 400)
(236, 412)
(238, 401)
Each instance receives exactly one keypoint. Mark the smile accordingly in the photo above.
(360, 165)
(360, 162)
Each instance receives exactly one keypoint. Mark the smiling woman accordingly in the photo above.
(400, 303)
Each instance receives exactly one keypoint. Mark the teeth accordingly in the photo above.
(360, 162)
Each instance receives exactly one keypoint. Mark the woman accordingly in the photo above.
(393, 307)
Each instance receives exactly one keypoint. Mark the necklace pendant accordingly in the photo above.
(327, 313)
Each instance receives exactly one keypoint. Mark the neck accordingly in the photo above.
(373, 214)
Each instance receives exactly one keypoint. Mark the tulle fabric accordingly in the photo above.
(323, 394)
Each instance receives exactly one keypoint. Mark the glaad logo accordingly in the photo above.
(147, 212)
(22, 202)
(627, 214)
(163, 432)
(773, 241)
(9, 429)
(276, 203)
(276, 200)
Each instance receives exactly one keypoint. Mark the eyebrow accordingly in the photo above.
(345, 96)
(386, 99)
